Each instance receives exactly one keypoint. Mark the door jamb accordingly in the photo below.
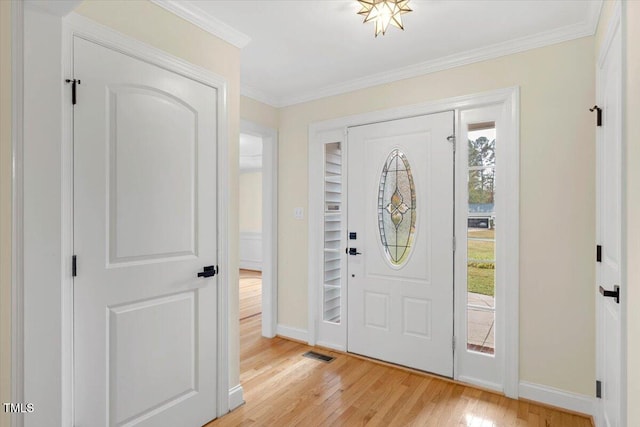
(269, 223)
(320, 131)
(76, 25)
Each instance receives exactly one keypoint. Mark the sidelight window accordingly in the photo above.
(481, 242)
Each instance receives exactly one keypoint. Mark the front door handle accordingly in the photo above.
(615, 293)
(208, 271)
(353, 251)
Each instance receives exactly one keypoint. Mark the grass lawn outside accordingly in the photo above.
(481, 265)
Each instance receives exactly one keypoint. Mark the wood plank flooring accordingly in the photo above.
(250, 293)
(282, 388)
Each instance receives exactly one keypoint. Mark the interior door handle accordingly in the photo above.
(353, 251)
(208, 271)
(615, 293)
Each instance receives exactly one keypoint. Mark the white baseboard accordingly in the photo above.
(236, 397)
(293, 333)
(559, 398)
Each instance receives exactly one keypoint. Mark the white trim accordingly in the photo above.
(559, 398)
(293, 333)
(236, 397)
(332, 131)
(502, 367)
(76, 25)
(17, 231)
(558, 35)
(614, 23)
(198, 17)
(269, 223)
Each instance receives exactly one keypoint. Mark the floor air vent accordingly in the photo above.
(318, 356)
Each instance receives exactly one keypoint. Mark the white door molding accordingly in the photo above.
(333, 130)
(75, 25)
(269, 223)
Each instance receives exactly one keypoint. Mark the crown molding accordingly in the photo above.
(563, 34)
(451, 61)
(198, 17)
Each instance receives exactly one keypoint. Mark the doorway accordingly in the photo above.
(250, 223)
(258, 248)
(333, 305)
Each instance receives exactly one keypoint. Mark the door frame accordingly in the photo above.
(615, 25)
(269, 223)
(335, 336)
(77, 26)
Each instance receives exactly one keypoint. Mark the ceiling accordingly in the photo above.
(300, 50)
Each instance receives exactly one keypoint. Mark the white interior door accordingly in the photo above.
(609, 210)
(144, 225)
(400, 275)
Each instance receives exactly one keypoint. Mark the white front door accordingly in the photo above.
(609, 211)
(144, 225)
(400, 267)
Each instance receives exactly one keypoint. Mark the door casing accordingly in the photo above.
(335, 336)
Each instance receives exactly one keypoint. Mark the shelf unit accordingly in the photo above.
(333, 232)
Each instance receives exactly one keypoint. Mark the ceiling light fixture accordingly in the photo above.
(383, 13)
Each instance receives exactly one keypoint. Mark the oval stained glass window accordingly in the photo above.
(397, 208)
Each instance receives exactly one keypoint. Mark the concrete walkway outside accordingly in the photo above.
(480, 323)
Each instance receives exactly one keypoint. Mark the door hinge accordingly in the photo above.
(599, 389)
(453, 343)
(452, 140)
(74, 83)
(598, 253)
(454, 243)
(74, 266)
(598, 111)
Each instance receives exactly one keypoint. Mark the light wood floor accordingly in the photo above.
(250, 293)
(282, 388)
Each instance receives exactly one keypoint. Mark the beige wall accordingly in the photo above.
(250, 202)
(5, 207)
(153, 25)
(631, 26)
(557, 202)
(258, 112)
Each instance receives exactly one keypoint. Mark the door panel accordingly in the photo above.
(152, 179)
(400, 288)
(609, 223)
(145, 333)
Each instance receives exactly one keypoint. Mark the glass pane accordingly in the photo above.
(481, 265)
(480, 330)
(397, 208)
